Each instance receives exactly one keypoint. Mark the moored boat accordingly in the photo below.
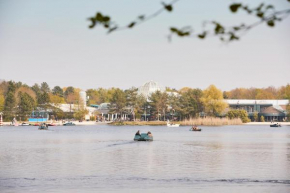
(43, 126)
(144, 137)
(24, 124)
(195, 128)
(172, 125)
(69, 124)
(275, 125)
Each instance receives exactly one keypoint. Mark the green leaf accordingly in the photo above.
(173, 29)
(99, 17)
(271, 23)
(167, 7)
(93, 20)
(202, 36)
(219, 29)
(131, 24)
(233, 37)
(234, 7)
(260, 14)
(106, 19)
(236, 28)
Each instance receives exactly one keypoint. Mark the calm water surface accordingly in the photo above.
(106, 159)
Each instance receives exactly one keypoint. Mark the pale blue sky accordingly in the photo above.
(49, 40)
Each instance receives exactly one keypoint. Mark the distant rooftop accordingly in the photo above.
(258, 102)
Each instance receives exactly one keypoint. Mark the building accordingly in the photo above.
(271, 110)
(150, 87)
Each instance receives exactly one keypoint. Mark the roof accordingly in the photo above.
(258, 102)
(270, 110)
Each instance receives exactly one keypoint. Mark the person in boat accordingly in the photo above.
(138, 133)
(149, 134)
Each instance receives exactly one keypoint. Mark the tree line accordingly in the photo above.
(19, 100)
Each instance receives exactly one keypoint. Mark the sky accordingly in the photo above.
(49, 41)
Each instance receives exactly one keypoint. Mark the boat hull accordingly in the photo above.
(143, 137)
(191, 129)
(42, 128)
(173, 125)
(275, 125)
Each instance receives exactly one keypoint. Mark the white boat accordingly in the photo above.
(24, 124)
(171, 124)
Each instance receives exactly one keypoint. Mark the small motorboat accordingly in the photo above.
(143, 137)
(195, 128)
(24, 124)
(69, 124)
(51, 124)
(275, 125)
(172, 125)
(43, 126)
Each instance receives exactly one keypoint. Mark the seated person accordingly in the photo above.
(138, 133)
(149, 134)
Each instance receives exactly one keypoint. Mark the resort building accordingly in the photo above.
(271, 110)
(150, 87)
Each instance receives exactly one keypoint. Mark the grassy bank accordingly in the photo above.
(210, 121)
(140, 123)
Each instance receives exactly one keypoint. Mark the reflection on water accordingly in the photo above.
(105, 158)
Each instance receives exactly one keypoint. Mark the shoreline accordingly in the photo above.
(140, 123)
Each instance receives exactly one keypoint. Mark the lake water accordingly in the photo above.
(105, 158)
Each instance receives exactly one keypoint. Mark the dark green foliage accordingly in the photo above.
(202, 36)
(180, 32)
(131, 25)
(43, 98)
(238, 113)
(118, 101)
(36, 89)
(167, 7)
(9, 106)
(158, 103)
(234, 7)
(271, 23)
(44, 87)
(25, 106)
(11, 87)
(57, 91)
(265, 13)
(190, 103)
(69, 90)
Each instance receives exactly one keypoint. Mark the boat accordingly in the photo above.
(51, 124)
(143, 137)
(43, 126)
(69, 124)
(195, 128)
(171, 124)
(275, 125)
(24, 124)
